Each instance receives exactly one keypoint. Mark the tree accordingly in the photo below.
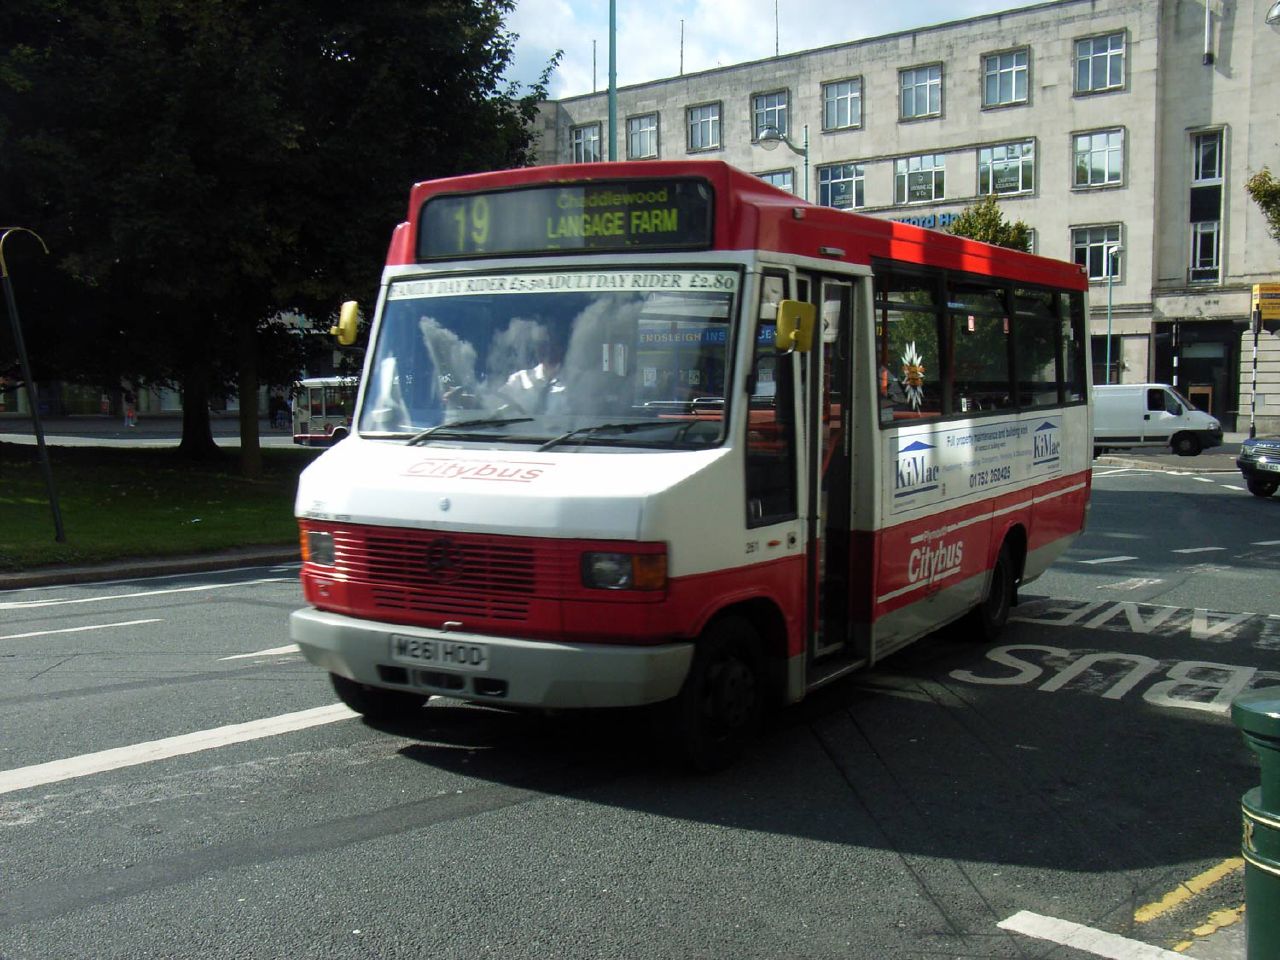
(1264, 189)
(984, 221)
(199, 169)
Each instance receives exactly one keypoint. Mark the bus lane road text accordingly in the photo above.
(1201, 684)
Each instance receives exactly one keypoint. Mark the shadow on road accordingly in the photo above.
(903, 758)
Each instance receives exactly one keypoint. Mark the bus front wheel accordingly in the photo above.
(375, 703)
(720, 705)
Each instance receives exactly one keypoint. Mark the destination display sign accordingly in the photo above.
(567, 218)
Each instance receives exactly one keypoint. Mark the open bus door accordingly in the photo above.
(825, 379)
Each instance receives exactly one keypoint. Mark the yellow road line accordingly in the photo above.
(1217, 920)
(1185, 891)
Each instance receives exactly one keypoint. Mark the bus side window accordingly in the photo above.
(908, 347)
(771, 435)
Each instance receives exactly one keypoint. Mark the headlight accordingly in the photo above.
(624, 571)
(317, 547)
(1214, 425)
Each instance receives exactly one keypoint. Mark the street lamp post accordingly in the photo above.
(1111, 252)
(771, 136)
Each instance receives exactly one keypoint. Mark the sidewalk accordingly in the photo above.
(1218, 460)
(137, 567)
(151, 430)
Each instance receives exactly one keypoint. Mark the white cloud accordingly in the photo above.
(716, 33)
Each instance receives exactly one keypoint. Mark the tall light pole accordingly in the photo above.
(771, 136)
(32, 401)
(613, 79)
(1110, 252)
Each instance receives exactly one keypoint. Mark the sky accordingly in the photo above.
(716, 33)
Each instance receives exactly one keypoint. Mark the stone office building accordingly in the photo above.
(1121, 131)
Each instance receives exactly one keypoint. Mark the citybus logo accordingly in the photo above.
(934, 561)
(914, 474)
(1046, 446)
(510, 471)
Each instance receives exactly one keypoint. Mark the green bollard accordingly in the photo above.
(1257, 714)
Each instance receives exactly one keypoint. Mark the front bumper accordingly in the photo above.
(521, 673)
(1264, 468)
(1209, 439)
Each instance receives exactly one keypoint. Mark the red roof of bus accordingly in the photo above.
(753, 215)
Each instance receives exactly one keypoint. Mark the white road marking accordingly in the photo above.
(82, 766)
(274, 651)
(1199, 549)
(1231, 486)
(1266, 543)
(96, 626)
(1109, 560)
(1204, 479)
(1133, 583)
(34, 604)
(1086, 939)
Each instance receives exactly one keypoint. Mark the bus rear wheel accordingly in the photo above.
(719, 707)
(989, 618)
(375, 703)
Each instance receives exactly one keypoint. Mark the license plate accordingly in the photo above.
(443, 654)
(1273, 467)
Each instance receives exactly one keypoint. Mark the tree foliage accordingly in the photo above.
(198, 169)
(1264, 190)
(985, 221)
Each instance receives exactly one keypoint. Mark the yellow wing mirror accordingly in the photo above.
(348, 323)
(796, 322)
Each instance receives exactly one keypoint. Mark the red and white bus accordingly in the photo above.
(322, 409)
(663, 434)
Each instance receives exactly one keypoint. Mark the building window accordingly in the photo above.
(586, 143)
(704, 127)
(769, 110)
(840, 185)
(1007, 168)
(642, 137)
(1100, 63)
(1099, 158)
(919, 179)
(782, 179)
(921, 92)
(1207, 159)
(1204, 251)
(842, 104)
(1095, 250)
(1004, 78)
(1205, 265)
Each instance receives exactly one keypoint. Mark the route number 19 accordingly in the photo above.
(472, 219)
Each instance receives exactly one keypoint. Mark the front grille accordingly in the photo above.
(453, 576)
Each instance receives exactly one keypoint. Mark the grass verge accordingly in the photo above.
(118, 503)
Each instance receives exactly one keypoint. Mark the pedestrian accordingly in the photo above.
(130, 409)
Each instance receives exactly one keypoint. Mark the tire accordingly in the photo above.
(988, 619)
(719, 708)
(1185, 444)
(1261, 488)
(377, 704)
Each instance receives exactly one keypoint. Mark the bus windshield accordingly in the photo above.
(631, 358)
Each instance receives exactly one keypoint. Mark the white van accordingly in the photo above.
(1150, 415)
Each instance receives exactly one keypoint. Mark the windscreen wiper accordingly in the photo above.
(630, 426)
(453, 426)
